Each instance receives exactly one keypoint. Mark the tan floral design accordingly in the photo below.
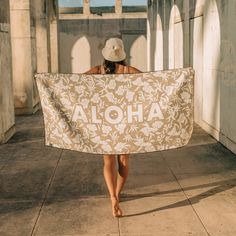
(114, 114)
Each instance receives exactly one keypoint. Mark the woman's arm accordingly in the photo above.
(134, 70)
(93, 70)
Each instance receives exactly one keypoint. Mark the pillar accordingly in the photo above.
(118, 6)
(7, 116)
(151, 34)
(186, 35)
(23, 42)
(41, 36)
(86, 7)
(53, 37)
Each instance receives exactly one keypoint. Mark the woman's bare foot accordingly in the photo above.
(116, 211)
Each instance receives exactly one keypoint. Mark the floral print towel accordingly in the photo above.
(118, 113)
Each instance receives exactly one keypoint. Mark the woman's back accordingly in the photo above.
(120, 69)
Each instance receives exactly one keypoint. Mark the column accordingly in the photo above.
(53, 37)
(118, 7)
(41, 36)
(23, 56)
(7, 116)
(151, 34)
(86, 7)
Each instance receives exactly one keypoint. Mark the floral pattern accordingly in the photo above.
(113, 111)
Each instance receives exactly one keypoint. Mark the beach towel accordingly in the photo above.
(117, 113)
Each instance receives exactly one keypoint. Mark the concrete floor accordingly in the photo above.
(45, 191)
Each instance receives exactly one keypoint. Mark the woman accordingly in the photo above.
(114, 63)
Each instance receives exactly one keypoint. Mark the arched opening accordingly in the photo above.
(80, 56)
(136, 59)
(175, 39)
(159, 45)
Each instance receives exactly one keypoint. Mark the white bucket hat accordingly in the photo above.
(114, 50)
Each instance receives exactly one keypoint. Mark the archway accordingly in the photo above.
(136, 59)
(175, 39)
(159, 45)
(80, 56)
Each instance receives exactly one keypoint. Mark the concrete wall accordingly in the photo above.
(7, 116)
(200, 33)
(81, 42)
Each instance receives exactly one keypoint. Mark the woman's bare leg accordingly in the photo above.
(109, 171)
(123, 170)
(110, 175)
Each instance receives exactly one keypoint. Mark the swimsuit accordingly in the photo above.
(102, 70)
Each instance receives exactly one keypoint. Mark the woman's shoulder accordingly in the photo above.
(94, 70)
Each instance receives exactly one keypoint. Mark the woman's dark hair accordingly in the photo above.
(110, 66)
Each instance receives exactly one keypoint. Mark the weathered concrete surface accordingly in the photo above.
(49, 191)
